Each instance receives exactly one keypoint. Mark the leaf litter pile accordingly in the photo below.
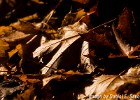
(69, 50)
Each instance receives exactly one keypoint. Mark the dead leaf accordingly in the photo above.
(125, 46)
(4, 29)
(124, 24)
(71, 35)
(117, 83)
(104, 83)
(86, 61)
(46, 48)
(14, 36)
(25, 27)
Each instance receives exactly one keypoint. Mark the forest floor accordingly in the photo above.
(69, 50)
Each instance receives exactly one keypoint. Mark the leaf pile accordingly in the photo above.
(69, 50)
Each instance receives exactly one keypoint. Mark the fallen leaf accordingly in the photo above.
(46, 48)
(15, 36)
(104, 83)
(124, 24)
(71, 35)
(125, 46)
(4, 29)
(86, 63)
(117, 83)
(25, 27)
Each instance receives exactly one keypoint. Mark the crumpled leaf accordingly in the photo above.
(71, 35)
(86, 61)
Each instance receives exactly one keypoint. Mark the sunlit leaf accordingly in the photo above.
(71, 35)
(46, 48)
(104, 83)
(86, 61)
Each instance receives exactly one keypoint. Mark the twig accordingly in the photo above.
(102, 24)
